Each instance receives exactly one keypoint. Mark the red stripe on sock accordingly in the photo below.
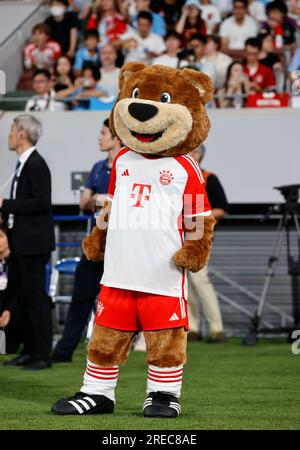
(108, 371)
(162, 373)
(102, 368)
(158, 380)
(100, 378)
(167, 376)
(99, 372)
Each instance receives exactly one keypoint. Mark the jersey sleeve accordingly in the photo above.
(195, 200)
(112, 180)
(113, 174)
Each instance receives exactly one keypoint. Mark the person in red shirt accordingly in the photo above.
(42, 52)
(106, 19)
(260, 76)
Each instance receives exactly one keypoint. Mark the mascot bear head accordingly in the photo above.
(160, 110)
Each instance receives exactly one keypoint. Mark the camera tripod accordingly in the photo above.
(289, 215)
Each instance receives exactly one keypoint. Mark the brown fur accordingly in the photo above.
(93, 246)
(194, 254)
(109, 347)
(187, 87)
(166, 348)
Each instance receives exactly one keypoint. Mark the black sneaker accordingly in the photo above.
(20, 360)
(160, 404)
(60, 358)
(194, 336)
(82, 403)
(38, 364)
(217, 337)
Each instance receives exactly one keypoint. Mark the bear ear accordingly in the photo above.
(201, 82)
(128, 69)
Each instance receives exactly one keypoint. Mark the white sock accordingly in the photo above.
(99, 380)
(167, 379)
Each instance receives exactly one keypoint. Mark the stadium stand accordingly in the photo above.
(211, 37)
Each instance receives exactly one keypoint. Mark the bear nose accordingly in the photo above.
(142, 111)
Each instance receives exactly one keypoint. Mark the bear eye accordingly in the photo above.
(135, 93)
(165, 97)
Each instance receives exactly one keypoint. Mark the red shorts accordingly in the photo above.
(126, 310)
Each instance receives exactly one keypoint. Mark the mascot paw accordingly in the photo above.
(82, 403)
(91, 250)
(92, 246)
(184, 258)
(159, 404)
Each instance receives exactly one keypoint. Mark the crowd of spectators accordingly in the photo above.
(245, 46)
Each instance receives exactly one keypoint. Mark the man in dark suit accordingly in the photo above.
(8, 311)
(28, 217)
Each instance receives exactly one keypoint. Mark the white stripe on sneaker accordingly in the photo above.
(83, 403)
(175, 404)
(176, 409)
(80, 410)
(92, 402)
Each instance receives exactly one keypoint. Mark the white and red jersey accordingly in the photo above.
(41, 58)
(150, 197)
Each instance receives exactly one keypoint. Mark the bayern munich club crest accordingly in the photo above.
(165, 177)
(100, 308)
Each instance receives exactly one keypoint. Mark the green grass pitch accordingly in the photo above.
(226, 386)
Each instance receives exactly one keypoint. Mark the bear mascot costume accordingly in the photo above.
(156, 224)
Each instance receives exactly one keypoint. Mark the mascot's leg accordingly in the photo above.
(107, 350)
(166, 354)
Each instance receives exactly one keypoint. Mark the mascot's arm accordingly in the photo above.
(194, 254)
(93, 246)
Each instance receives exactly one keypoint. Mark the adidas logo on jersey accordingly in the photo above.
(125, 173)
(174, 317)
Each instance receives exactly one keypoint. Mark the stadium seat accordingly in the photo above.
(98, 104)
(66, 266)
